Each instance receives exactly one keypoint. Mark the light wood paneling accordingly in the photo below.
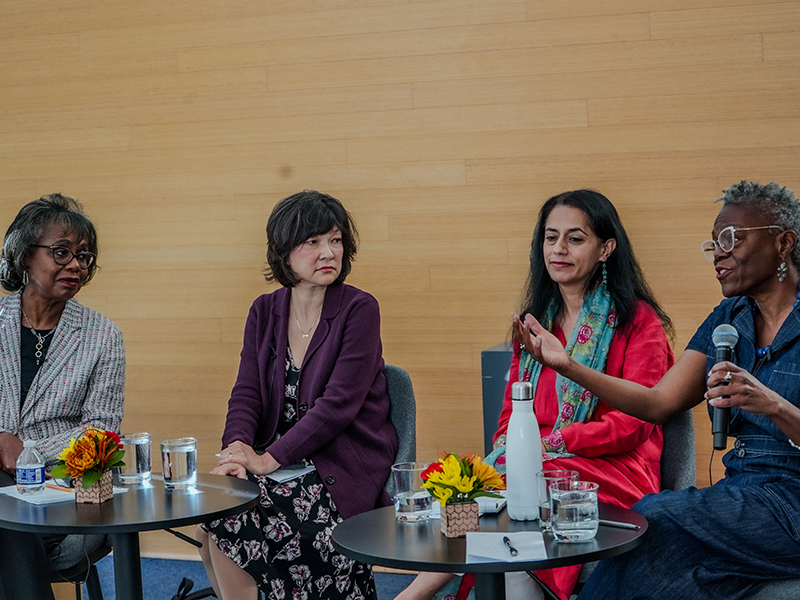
(730, 50)
(441, 124)
(728, 20)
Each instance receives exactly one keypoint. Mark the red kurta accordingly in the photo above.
(615, 450)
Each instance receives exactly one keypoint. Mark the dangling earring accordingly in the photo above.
(782, 271)
(605, 274)
(25, 278)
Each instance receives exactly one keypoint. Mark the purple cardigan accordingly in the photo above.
(344, 425)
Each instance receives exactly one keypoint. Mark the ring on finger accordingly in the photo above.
(728, 376)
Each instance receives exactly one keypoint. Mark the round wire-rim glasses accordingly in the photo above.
(726, 240)
(63, 256)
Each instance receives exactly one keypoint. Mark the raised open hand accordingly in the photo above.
(542, 345)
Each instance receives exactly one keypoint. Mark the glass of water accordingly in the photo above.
(544, 480)
(412, 502)
(137, 458)
(574, 515)
(179, 462)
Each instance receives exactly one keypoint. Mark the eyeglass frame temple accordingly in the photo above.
(734, 229)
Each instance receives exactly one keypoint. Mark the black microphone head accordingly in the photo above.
(725, 336)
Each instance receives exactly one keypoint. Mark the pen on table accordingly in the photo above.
(511, 548)
(53, 486)
(619, 524)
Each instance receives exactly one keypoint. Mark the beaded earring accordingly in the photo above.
(605, 274)
(782, 271)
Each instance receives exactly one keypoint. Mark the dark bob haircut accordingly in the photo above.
(296, 219)
(626, 282)
(33, 221)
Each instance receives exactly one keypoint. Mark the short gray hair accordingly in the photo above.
(777, 201)
(28, 227)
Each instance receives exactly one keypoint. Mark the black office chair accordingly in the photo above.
(84, 571)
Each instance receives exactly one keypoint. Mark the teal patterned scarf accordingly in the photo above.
(588, 344)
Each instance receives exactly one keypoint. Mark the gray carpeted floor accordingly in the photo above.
(161, 578)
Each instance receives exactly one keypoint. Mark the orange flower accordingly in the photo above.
(82, 457)
(486, 474)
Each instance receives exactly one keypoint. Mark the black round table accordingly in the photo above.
(376, 537)
(144, 507)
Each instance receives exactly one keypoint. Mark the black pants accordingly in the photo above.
(23, 563)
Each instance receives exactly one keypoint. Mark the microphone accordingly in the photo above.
(724, 337)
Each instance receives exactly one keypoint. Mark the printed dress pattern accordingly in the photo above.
(285, 542)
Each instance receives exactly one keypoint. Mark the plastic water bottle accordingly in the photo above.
(523, 455)
(30, 470)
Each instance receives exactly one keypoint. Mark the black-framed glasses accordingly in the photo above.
(63, 256)
(726, 239)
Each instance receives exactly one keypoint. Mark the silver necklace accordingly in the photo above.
(40, 338)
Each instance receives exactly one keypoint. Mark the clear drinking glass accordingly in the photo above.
(544, 480)
(412, 502)
(574, 516)
(179, 462)
(137, 458)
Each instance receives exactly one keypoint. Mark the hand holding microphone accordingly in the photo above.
(725, 338)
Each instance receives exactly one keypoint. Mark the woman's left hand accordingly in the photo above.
(742, 390)
(238, 459)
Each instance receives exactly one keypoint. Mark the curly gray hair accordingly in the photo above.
(31, 223)
(777, 201)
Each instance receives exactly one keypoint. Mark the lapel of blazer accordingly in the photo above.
(10, 361)
(277, 375)
(62, 348)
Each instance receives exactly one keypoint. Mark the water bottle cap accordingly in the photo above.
(29, 444)
(521, 390)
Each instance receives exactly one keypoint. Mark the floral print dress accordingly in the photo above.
(285, 542)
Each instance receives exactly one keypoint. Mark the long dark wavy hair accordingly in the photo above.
(626, 282)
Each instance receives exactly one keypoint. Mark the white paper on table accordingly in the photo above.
(484, 546)
(284, 475)
(48, 496)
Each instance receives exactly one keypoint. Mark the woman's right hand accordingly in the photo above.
(239, 458)
(10, 449)
(542, 345)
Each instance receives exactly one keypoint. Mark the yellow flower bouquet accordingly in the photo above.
(89, 456)
(459, 479)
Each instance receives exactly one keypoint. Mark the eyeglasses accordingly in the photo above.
(726, 239)
(63, 256)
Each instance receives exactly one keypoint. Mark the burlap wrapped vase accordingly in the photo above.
(100, 492)
(458, 519)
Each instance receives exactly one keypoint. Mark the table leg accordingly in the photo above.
(127, 566)
(490, 586)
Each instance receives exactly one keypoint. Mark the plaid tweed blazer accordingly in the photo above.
(81, 381)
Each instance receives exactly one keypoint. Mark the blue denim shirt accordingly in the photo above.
(759, 444)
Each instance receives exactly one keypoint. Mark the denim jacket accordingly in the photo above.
(759, 444)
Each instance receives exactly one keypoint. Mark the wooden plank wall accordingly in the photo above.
(441, 124)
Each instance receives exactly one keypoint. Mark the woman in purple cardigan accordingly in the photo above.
(310, 393)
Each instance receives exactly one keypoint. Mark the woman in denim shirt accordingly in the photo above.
(727, 540)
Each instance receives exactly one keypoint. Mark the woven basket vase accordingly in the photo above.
(100, 492)
(458, 519)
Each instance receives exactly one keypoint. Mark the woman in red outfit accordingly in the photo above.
(586, 287)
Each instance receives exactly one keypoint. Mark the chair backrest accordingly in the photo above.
(678, 463)
(403, 415)
(678, 460)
